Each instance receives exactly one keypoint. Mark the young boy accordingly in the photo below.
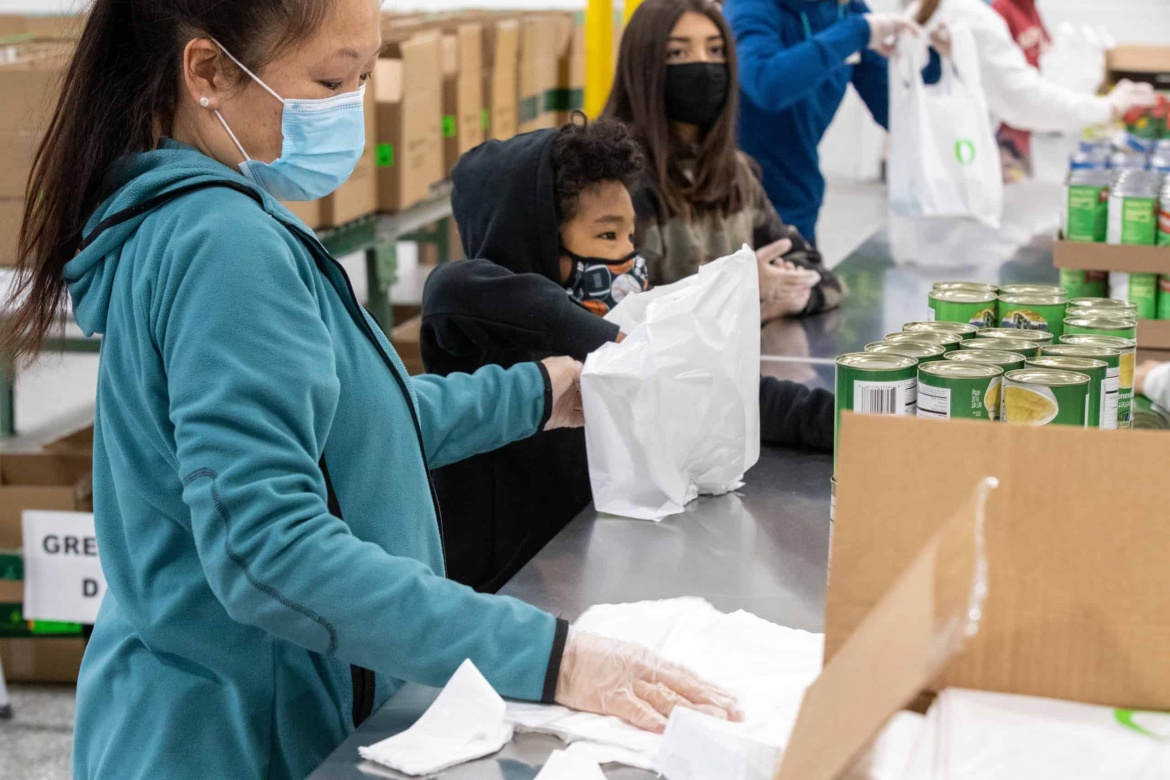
(548, 220)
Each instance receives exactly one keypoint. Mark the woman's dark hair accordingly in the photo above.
(586, 154)
(639, 99)
(927, 11)
(119, 94)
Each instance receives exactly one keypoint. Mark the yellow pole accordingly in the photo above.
(598, 54)
(631, 6)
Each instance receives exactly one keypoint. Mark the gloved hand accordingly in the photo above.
(884, 30)
(941, 41)
(1128, 95)
(784, 288)
(1141, 373)
(565, 374)
(610, 677)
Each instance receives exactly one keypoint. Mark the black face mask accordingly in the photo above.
(696, 92)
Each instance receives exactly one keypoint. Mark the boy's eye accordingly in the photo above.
(610, 236)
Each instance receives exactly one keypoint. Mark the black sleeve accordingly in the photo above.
(791, 413)
(472, 307)
(553, 672)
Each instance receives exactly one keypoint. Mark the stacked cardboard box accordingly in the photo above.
(501, 52)
(409, 93)
(538, 67)
(569, 93)
(1149, 64)
(464, 119)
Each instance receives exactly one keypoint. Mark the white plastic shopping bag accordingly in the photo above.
(944, 160)
(673, 411)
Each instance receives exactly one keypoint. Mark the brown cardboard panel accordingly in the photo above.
(422, 62)
(450, 126)
(358, 196)
(470, 87)
(1079, 601)
(41, 481)
(55, 28)
(11, 214)
(80, 442)
(502, 92)
(895, 652)
(310, 212)
(409, 152)
(11, 591)
(1108, 257)
(405, 338)
(1154, 334)
(12, 25)
(42, 660)
(1140, 59)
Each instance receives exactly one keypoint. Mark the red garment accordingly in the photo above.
(1027, 28)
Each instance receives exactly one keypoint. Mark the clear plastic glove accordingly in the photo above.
(940, 40)
(770, 253)
(610, 677)
(784, 289)
(884, 30)
(1128, 95)
(565, 374)
(1141, 373)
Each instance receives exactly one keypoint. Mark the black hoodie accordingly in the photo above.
(508, 306)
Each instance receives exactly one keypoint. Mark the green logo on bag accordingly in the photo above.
(965, 151)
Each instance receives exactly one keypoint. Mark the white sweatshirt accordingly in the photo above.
(1158, 385)
(1016, 92)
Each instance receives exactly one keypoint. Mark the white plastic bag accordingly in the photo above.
(673, 411)
(944, 160)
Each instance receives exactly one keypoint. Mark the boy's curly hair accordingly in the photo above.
(586, 154)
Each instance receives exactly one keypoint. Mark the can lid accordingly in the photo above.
(928, 336)
(915, 349)
(1101, 323)
(1081, 350)
(1033, 299)
(963, 295)
(874, 361)
(1003, 345)
(992, 356)
(939, 326)
(1116, 342)
(1047, 377)
(1067, 363)
(1045, 290)
(1103, 303)
(960, 370)
(1019, 334)
(980, 286)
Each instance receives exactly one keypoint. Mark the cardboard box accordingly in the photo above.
(41, 481)
(405, 338)
(409, 151)
(42, 660)
(28, 91)
(450, 67)
(1149, 64)
(1070, 548)
(472, 119)
(311, 212)
(11, 214)
(569, 93)
(79, 442)
(538, 70)
(502, 47)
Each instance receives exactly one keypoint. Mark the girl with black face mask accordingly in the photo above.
(700, 198)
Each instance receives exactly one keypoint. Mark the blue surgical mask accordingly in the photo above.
(323, 141)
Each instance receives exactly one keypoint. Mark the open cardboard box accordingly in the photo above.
(1150, 64)
(1075, 603)
(53, 481)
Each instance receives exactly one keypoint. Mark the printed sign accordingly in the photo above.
(63, 578)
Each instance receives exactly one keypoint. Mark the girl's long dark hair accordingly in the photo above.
(639, 99)
(119, 94)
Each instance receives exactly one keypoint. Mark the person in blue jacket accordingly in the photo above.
(264, 514)
(796, 59)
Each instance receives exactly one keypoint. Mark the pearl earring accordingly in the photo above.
(204, 102)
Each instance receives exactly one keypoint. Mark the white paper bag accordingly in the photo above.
(673, 411)
(944, 160)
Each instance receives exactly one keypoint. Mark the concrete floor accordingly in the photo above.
(36, 743)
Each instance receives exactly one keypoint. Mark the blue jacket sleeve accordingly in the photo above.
(775, 76)
(252, 388)
(465, 414)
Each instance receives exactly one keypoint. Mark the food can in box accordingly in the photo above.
(1143, 293)
(1026, 348)
(922, 351)
(1043, 396)
(964, 391)
(1111, 389)
(964, 329)
(968, 286)
(950, 341)
(1128, 349)
(1086, 206)
(1101, 326)
(1040, 337)
(1096, 370)
(1164, 297)
(1033, 312)
(870, 383)
(1033, 290)
(970, 306)
(1080, 283)
(1008, 361)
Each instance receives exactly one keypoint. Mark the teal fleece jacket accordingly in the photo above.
(264, 514)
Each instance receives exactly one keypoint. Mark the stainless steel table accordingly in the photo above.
(766, 549)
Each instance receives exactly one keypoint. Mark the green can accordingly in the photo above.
(1028, 312)
(1040, 337)
(870, 383)
(1102, 305)
(974, 307)
(1128, 350)
(964, 329)
(1087, 207)
(950, 341)
(1111, 389)
(1034, 290)
(1100, 326)
(1143, 293)
(922, 351)
(1096, 370)
(1008, 361)
(976, 286)
(963, 391)
(1026, 348)
(1164, 293)
(1080, 283)
(1044, 396)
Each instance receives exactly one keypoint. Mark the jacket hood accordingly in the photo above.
(132, 185)
(503, 201)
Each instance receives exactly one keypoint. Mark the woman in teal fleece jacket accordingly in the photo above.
(264, 514)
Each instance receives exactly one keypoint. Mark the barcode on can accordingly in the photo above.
(891, 398)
